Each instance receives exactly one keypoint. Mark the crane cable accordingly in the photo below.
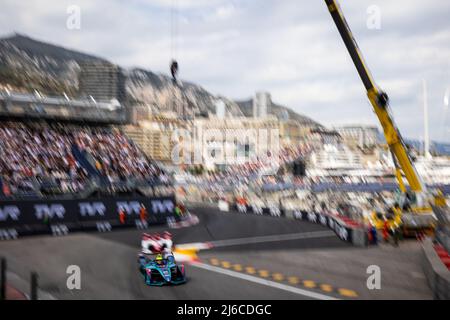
(174, 38)
(173, 53)
(174, 20)
(172, 28)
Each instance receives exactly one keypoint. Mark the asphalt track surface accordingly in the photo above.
(256, 257)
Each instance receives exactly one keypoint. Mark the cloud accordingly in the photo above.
(178, 4)
(288, 47)
(225, 12)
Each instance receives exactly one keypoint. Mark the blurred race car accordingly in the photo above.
(161, 271)
(156, 243)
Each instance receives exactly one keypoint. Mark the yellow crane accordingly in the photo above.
(417, 214)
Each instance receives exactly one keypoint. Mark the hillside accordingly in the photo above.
(27, 64)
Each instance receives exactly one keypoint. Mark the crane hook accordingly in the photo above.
(174, 70)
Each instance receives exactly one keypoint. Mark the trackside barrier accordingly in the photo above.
(345, 230)
(437, 274)
(443, 236)
(60, 217)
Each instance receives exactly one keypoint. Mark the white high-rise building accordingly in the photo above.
(359, 135)
(261, 104)
(220, 109)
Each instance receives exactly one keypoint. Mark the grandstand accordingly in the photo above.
(63, 154)
(39, 106)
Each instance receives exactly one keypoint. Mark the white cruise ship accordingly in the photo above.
(336, 160)
(335, 157)
(433, 170)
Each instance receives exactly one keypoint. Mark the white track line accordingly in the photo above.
(260, 239)
(268, 283)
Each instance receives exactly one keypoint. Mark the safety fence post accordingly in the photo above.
(3, 278)
(34, 286)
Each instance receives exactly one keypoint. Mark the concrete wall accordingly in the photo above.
(438, 276)
(443, 236)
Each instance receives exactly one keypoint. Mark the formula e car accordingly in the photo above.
(161, 271)
(155, 243)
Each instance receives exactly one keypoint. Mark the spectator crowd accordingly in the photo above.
(114, 155)
(36, 153)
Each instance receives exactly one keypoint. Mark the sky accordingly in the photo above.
(290, 48)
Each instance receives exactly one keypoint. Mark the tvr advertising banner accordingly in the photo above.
(28, 217)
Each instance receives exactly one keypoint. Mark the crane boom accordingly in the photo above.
(379, 101)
